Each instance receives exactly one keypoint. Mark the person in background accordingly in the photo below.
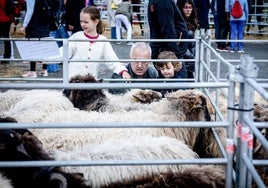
(34, 26)
(111, 8)
(6, 18)
(255, 10)
(123, 15)
(168, 69)
(189, 14)
(166, 22)
(202, 8)
(136, 5)
(221, 24)
(61, 31)
(73, 8)
(93, 28)
(237, 26)
(57, 6)
(136, 69)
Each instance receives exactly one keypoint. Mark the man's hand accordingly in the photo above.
(126, 75)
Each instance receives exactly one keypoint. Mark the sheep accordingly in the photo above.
(5, 182)
(102, 100)
(22, 145)
(182, 105)
(209, 176)
(131, 148)
(9, 98)
(32, 105)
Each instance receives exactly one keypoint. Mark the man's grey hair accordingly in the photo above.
(142, 46)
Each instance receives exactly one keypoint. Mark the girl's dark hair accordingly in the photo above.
(192, 21)
(168, 55)
(94, 15)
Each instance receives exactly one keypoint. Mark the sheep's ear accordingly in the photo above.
(139, 98)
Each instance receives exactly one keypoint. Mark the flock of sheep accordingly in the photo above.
(143, 143)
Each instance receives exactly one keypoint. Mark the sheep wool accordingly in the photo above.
(137, 148)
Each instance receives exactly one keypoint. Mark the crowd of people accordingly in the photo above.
(168, 19)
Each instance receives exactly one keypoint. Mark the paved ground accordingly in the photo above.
(259, 51)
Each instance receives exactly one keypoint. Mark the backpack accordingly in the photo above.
(47, 10)
(237, 11)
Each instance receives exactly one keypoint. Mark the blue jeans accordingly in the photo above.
(237, 32)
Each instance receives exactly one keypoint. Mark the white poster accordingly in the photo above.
(38, 50)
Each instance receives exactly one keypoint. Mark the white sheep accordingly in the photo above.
(4, 182)
(132, 148)
(179, 106)
(32, 105)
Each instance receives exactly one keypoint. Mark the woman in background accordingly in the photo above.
(189, 14)
(35, 26)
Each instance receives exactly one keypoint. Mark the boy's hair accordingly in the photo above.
(95, 15)
(168, 55)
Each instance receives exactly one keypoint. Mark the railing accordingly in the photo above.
(245, 74)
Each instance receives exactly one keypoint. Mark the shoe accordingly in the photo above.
(119, 43)
(225, 49)
(241, 51)
(30, 74)
(218, 49)
(232, 50)
(43, 73)
(130, 43)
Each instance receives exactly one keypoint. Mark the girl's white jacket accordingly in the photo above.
(80, 50)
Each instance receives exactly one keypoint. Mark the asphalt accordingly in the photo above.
(258, 50)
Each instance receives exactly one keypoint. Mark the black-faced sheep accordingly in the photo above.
(22, 145)
(97, 100)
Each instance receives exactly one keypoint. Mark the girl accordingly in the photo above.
(189, 14)
(168, 69)
(92, 49)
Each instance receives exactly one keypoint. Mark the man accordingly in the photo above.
(202, 8)
(136, 69)
(221, 24)
(166, 22)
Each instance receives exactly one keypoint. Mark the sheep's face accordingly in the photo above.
(193, 105)
(88, 100)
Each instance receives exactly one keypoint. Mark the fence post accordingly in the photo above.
(246, 69)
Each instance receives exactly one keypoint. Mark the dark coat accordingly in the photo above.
(73, 9)
(167, 22)
(38, 26)
(202, 8)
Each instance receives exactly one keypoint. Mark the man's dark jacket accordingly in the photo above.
(166, 22)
